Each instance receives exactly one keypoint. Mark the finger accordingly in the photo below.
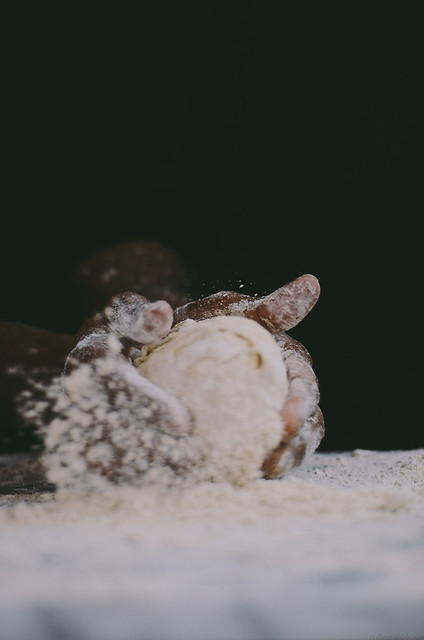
(128, 318)
(303, 425)
(291, 454)
(133, 316)
(303, 390)
(279, 311)
(286, 307)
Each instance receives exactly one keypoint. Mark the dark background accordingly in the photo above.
(257, 140)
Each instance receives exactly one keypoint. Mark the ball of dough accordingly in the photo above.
(229, 372)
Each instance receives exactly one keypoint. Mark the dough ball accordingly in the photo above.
(230, 373)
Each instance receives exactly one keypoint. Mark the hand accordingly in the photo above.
(302, 419)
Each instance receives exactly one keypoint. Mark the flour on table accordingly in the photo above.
(334, 550)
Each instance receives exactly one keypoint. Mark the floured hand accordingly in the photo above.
(302, 420)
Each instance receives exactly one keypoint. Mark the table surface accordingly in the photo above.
(333, 550)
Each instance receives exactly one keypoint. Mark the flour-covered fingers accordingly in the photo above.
(278, 311)
(302, 420)
(291, 454)
(133, 316)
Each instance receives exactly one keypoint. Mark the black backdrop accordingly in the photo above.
(257, 140)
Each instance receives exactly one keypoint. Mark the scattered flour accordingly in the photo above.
(333, 550)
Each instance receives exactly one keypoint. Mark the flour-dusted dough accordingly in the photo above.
(229, 372)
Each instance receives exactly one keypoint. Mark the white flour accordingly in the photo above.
(333, 550)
